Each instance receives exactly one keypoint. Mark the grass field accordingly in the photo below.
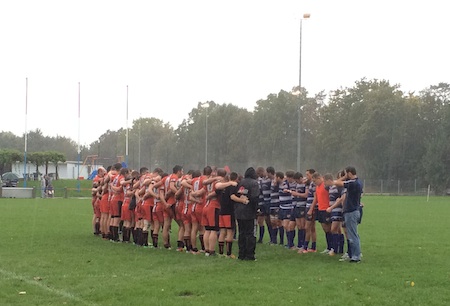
(47, 250)
(64, 188)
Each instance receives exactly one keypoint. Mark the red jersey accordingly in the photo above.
(117, 183)
(173, 178)
(323, 197)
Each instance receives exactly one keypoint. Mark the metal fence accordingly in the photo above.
(396, 187)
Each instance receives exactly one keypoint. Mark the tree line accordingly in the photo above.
(384, 132)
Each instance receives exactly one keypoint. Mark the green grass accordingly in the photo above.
(48, 251)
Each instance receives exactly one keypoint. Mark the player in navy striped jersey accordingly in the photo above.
(265, 187)
(310, 226)
(337, 198)
(261, 213)
(289, 225)
(300, 195)
(279, 181)
(274, 208)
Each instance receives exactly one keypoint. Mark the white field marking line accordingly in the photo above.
(12, 275)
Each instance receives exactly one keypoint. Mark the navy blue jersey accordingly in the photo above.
(311, 192)
(265, 184)
(335, 192)
(285, 197)
(261, 196)
(300, 188)
(274, 194)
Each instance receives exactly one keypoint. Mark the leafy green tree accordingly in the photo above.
(191, 137)
(55, 158)
(274, 130)
(37, 159)
(10, 141)
(436, 114)
(7, 157)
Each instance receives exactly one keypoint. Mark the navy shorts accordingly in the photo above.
(284, 214)
(314, 216)
(299, 212)
(264, 209)
(324, 217)
(274, 213)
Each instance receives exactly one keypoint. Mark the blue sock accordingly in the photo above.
(328, 238)
(335, 242)
(313, 245)
(306, 244)
(299, 238)
(269, 230)
(281, 232)
(261, 232)
(291, 236)
(274, 235)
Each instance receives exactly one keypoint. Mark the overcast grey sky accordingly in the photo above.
(174, 54)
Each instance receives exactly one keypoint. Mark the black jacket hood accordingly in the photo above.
(250, 173)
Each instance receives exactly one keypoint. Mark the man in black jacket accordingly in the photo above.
(246, 205)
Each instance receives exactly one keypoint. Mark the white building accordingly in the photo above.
(66, 170)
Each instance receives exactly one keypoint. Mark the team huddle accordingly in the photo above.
(208, 208)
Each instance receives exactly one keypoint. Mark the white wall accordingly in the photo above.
(66, 170)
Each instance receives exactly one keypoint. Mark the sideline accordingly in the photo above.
(12, 275)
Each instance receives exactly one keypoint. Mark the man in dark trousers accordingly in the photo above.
(246, 205)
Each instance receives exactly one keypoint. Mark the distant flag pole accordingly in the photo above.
(126, 134)
(79, 150)
(26, 136)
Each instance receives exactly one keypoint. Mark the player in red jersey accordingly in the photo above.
(179, 208)
(227, 220)
(168, 198)
(103, 193)
(96, 185)
(126, 213)
(186, 206)
(196, 211)
(148, 204)
(139, 186)
(198, 195)
(158, 208)
(322, 201)
(117, 199)
(211, 210)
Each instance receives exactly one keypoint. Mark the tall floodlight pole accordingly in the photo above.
(79, 148)
(299, 118)
(126, 134)
(26, 136)
(206, 106)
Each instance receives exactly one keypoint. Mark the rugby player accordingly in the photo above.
(274, 205)
(337, 197)
(310, 223)
(300, 195)
(322, 201)
(286, 205)
(226, 216)
(96, 185)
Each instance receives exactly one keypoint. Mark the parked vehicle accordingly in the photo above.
(9, 179)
